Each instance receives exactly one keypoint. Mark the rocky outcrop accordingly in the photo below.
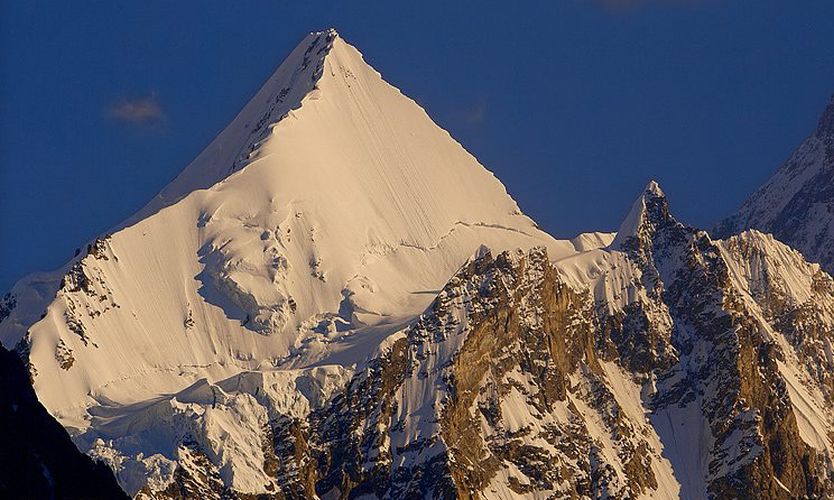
(728, 352)
(493, 391)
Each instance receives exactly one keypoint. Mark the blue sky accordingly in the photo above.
(574, 104)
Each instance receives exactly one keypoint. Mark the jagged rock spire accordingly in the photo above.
(649, 210)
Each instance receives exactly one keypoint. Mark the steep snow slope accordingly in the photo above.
(234, 146)
(796, 300)
(326, 216)
(797, 203)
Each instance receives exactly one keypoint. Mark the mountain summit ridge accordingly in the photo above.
(825, 125)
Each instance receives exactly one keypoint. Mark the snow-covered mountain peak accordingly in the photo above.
(649, 211)
(323, 219)
(654, 188)
(295, 79)
(335, 299)
(766, 267)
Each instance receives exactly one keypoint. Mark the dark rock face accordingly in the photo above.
(438, 414)
(194, 477)
(7, 303)
(739, 384)
(725, 368)
(352, 430)
(38, 459)
(749, 411)
(642, 331)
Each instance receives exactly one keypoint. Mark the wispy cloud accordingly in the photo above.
(142, 110)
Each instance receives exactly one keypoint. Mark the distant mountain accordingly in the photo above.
(797, 204)
(336, 300)
(37, 457)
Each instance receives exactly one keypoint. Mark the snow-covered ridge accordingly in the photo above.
(590, 241)
(764, 262)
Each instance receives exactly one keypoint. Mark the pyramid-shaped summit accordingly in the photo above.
(295, 78)
(639, 213)
(649, 213)
(316, 224)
